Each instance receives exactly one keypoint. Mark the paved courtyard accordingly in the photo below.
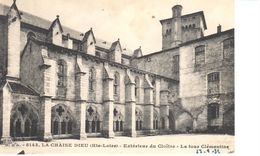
(178, 143)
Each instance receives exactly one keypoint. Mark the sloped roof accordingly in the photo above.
(103, 44)
(45, 24)
(127, 51)
(85, 55)
(114, 44)
(107, 45)
(58, 22)
(86, 36)
(21, 89)
(136, 51)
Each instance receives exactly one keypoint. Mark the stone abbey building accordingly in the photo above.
(56, 82)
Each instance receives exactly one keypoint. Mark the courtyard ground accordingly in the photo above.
(177, 143)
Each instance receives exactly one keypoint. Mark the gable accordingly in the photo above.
(138, 52)
(89, 36)
(14, 11)
(116, 46)
(56, 23)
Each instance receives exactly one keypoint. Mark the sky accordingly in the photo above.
(135, 22)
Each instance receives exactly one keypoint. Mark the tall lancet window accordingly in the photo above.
(137, 88)
(92, 84)
(154, 90)
(116, 86)
(62, 76)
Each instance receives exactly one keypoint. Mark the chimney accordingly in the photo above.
(219, 29)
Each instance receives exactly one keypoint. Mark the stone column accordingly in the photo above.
(81, 91)
(6, 115)
(81, 119)
(149, 106)
(176, 122)
(108, 104)
(194, 125)
(164, 108)
(13, 44)
(130, 108)
(45, 119)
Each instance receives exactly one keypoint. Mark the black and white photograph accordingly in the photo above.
(117, 76)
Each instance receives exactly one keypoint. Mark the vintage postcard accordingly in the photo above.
(117, 76)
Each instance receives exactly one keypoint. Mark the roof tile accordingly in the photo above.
(45, 24)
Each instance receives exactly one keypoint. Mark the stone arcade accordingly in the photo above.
(56, 82)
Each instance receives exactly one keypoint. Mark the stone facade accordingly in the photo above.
(60, 83)
(194, 61)
(182, 28)
(149, 61)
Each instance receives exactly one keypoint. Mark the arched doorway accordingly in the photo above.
(62, 120)
(24, 121)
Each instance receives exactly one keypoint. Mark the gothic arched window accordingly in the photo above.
(139, 119)
(62, 73)
(155, 120)
(167, 32)
(116, 86)
(91, 79)
(154, 90)
(118, 120)
(93, 122)
(24, 121)
(18, 128)
(62, 77)
(137, 88)
(61, 120)
(170, 31)
(92, 83)
(55, 127)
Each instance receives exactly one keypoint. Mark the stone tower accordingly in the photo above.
(182, 28)
(176, 26)
(171, 28)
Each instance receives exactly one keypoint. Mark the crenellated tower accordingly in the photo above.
(182, 28)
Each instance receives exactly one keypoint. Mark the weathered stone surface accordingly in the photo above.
(171, 92)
